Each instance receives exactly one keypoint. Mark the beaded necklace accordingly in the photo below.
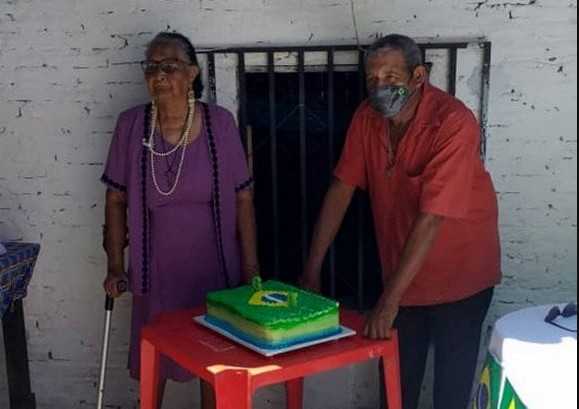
(182, 144)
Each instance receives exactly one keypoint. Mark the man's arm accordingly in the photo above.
(334, 209)
(417, 247)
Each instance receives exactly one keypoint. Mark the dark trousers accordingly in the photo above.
(455, 332)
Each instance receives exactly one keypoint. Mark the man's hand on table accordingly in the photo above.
(381, 320)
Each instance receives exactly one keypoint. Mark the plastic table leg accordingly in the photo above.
(392, 381)
(150, 361)
(295, 393)
(233, 390)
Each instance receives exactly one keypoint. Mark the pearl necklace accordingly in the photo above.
(183, 142)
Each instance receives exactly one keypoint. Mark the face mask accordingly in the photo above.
(390, 100)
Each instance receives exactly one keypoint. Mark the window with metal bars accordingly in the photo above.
(294, 107)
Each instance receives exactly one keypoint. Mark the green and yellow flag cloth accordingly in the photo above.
(491, 394)
(487, 396)
(510, 399)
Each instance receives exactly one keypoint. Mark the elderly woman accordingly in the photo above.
(179, 194)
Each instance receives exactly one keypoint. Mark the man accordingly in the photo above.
(416, 150)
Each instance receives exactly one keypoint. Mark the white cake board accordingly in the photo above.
(345, 333)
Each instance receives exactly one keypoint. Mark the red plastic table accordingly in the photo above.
(236, 373)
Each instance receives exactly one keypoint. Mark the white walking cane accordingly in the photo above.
(109, 306)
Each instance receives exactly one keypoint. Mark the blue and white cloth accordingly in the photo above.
(16, 267)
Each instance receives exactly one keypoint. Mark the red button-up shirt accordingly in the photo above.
(436, 170)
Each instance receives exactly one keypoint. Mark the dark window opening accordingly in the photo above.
(320, 146)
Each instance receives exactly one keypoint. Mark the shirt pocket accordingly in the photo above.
(414, 184)
(408, 189)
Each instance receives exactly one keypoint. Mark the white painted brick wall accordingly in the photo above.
(66, 72)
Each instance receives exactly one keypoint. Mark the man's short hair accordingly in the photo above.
(406, 45)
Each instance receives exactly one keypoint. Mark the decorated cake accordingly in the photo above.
(273, 315)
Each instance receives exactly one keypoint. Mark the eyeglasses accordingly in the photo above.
(166, 67)
(569, 311)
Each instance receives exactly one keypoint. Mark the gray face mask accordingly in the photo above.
(390, 100)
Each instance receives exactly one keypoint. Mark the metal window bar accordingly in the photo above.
(423, 51)
(242, 96)
(453, 49)
(452, 71)
(485, 95)
(303, 156)
(360, 202)
(212, 78)
(331, 156)
(273, 158)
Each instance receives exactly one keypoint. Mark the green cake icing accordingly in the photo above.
(273, 314)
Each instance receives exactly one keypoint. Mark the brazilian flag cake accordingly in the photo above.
(273, 315)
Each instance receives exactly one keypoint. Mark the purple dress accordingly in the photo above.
(186, 244)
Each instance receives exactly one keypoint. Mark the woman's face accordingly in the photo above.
(169, 73)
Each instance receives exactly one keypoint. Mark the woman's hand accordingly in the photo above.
(115, 284)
